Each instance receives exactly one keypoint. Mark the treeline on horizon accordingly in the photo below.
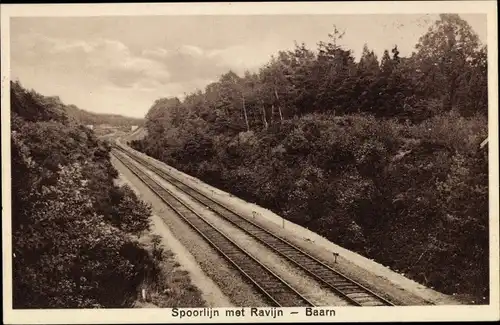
(74, 231)
(83, 116)
(89, 118)
(380, 155)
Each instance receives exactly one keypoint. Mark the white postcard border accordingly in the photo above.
(345, 314)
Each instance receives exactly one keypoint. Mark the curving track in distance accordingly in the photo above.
(276, 290)
(352, 291)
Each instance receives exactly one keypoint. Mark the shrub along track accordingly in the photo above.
(278, 292)
(353, 292)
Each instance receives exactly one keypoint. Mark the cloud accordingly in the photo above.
(190, 64)
(109, 59)
(183, 69)
(156, 54)
(191, 50)
(243, 57)
(187, 62)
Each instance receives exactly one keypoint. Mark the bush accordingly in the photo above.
(379, 187)
(382, 178)
(71, 226)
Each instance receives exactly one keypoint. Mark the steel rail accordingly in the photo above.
(276, 290)
(352, 291)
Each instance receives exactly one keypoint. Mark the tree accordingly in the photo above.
(278, 85)
(71, 241)
(300, 64)
(336, 76)
(444, 54)
(386, 64)
(368, 63)
(367, 85)
(357, 151)
(395, 54)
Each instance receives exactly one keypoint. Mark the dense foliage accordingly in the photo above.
(380, 156)
(72, 228)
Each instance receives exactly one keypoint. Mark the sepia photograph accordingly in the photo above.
(227, 162)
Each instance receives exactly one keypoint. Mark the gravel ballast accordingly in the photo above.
(302, 282)
(234, 289)
(375, 276)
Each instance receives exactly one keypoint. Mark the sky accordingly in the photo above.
(122, 64)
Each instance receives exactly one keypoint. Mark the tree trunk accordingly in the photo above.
(451, 94)
(279, 106)
(264, 119)
(245, 113)
(281, 115)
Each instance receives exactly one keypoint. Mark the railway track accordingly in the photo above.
(276, 290)
(352, 291)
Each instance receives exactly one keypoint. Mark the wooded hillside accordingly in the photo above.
(73, 229)
(86, 118)
(380, 155)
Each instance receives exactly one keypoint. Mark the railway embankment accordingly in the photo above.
(375, 276)
(293, 268)
(220, 284)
